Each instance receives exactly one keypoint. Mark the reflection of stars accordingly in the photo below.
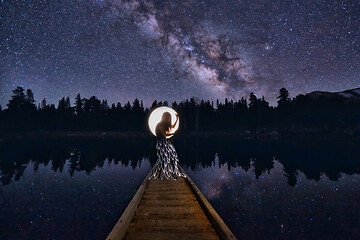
(246, 202)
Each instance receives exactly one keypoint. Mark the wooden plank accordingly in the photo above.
(160, 210)
(167, 221)
(169, 209)
(171, 236)
(158, 197)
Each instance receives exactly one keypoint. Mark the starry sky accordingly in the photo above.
(172, 50)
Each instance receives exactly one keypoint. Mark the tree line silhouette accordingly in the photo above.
(298, 114)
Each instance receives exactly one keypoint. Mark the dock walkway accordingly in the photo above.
(169, 209)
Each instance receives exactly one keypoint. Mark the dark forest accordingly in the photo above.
(304, 113)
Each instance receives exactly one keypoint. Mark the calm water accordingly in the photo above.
(263, 189)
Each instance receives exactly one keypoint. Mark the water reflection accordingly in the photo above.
(268, 208)
(283, 189)
(54, 205)
(313, 158)
(80, 156)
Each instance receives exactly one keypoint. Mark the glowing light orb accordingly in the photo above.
(155, 118)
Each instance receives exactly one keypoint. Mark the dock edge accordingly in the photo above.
(120, 228)
(215, 220)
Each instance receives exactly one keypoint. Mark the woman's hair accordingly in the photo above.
(166, 119)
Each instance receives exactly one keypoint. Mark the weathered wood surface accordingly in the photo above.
(169, 209)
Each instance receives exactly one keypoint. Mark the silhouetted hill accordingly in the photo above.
(348, 95)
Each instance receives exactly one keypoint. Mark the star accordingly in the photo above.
(122, 50)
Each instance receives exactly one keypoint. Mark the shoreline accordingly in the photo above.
(246, 134)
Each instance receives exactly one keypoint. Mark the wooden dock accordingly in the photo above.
(168, 209)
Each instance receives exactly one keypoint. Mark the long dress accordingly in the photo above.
(167, 162)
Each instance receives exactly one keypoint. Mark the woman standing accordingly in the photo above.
(167, 160)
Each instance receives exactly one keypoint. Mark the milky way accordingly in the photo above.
(172, 50)
(203, 54)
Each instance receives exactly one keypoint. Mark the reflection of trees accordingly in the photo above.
(313, 158)
(262, 165)
(80, 156)
(290, 173)
(195, 152)
(317, 156)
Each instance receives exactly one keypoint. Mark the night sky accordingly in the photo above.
(172, 50)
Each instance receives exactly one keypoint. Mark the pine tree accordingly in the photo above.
(118, 106)
(18, 100)
(78, 104)
(93, 104)
(127, 107)
(67, 103)
(263, 104)
(104, 105)
(154, 105)
(136, 106)
(253, 101)
(30, 99)
(283, 97)
(113, 106)
(61, 105)
(142, 105)
(43, 104)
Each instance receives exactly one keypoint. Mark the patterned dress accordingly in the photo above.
(167, 162)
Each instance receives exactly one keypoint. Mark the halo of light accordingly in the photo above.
(155, 118)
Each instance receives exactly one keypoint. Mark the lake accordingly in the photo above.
(286, 188)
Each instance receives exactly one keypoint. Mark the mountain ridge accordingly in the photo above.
(350, 94)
